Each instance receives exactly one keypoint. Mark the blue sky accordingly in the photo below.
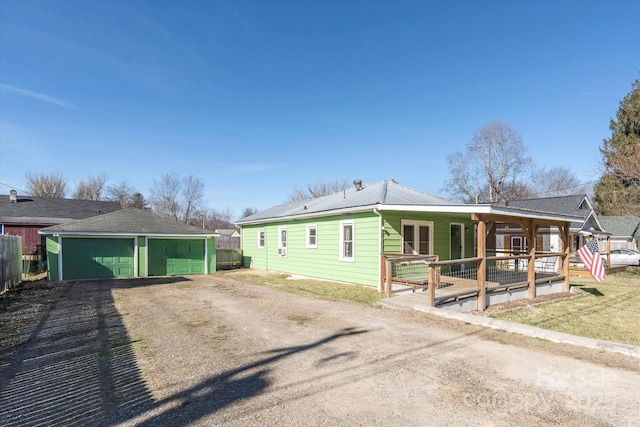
(256, 97)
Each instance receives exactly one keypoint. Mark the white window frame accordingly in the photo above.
(352, 258)
(262, 237)
(283, 245)
(313, 227)
(416, 224)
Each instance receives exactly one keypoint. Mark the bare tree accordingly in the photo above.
(557, 181)
(53, 184)
(215, 219)
(91, 189)
(165, 196)
(493, 168)
(192, 197)
(248, 212)
(317, 189)
(121, 192)
(179, 198)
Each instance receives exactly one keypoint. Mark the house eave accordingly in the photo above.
(462, 209)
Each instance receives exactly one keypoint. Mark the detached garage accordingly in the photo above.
(128, 243)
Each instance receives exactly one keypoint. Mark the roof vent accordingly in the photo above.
(358, 184)
(13, 196)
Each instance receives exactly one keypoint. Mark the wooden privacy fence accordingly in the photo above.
(10, 261)
(453, 280)
(228, 259)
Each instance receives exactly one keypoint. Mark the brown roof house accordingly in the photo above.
(24, 216)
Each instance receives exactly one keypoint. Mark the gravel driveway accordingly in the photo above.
(218, 350)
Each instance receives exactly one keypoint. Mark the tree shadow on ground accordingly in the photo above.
(75, 365)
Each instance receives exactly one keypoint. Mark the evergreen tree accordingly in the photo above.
(618, 190)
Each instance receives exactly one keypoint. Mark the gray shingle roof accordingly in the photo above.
(563, 204)
(46, 210)
(127, 221)
(621, 226)
(383, 193)
(578, 205)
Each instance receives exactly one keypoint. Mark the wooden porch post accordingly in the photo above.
(531, 272)
(482, 264)
(433, 283)
(389, 274)
(608, 251)
(566, 249)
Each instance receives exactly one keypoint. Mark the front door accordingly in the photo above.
(456, 244)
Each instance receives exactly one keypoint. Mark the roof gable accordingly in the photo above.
(578, 205)
(127, 221)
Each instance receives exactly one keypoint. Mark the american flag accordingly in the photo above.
(593, 262)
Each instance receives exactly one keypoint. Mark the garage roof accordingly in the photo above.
(136, 222)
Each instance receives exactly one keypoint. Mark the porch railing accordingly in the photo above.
(452, 280)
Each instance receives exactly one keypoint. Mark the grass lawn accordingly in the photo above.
(609, 310)
(314, 287)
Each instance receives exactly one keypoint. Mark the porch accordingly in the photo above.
(457, 285)
(475, 283)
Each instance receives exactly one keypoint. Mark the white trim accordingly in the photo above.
(308, 234)
(146, 254)
(206, 257)
(380, 232)
(264, 238)
(135, 257)
(468, 209)
(60, 276)
(283, 250)
(417, 223)
(352, 258)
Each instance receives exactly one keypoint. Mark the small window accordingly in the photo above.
(347, 241)
(282, 242)
(261, 238)
(312, 236)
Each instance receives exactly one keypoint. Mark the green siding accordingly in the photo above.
(142, 256)
(52, 258)
(211, 248)
(392, 242)
(323, 261)
(171, 257)
(85, 258)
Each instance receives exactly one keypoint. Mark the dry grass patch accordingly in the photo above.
(312, 287)
(609, 310)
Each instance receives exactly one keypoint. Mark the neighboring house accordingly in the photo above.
(624, 230)
(24, 216)
(229, 238)
(509, 237)
(344, 236)
(128, 243)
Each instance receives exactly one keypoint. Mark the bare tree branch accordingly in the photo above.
(53, 184)
(494, 167)
(91, 189)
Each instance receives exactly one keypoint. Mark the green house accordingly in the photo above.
(344, 236)
(127, 243)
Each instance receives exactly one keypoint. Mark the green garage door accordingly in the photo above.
(171, 257)
(97, 258)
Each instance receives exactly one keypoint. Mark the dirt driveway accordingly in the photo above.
(221, 351)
